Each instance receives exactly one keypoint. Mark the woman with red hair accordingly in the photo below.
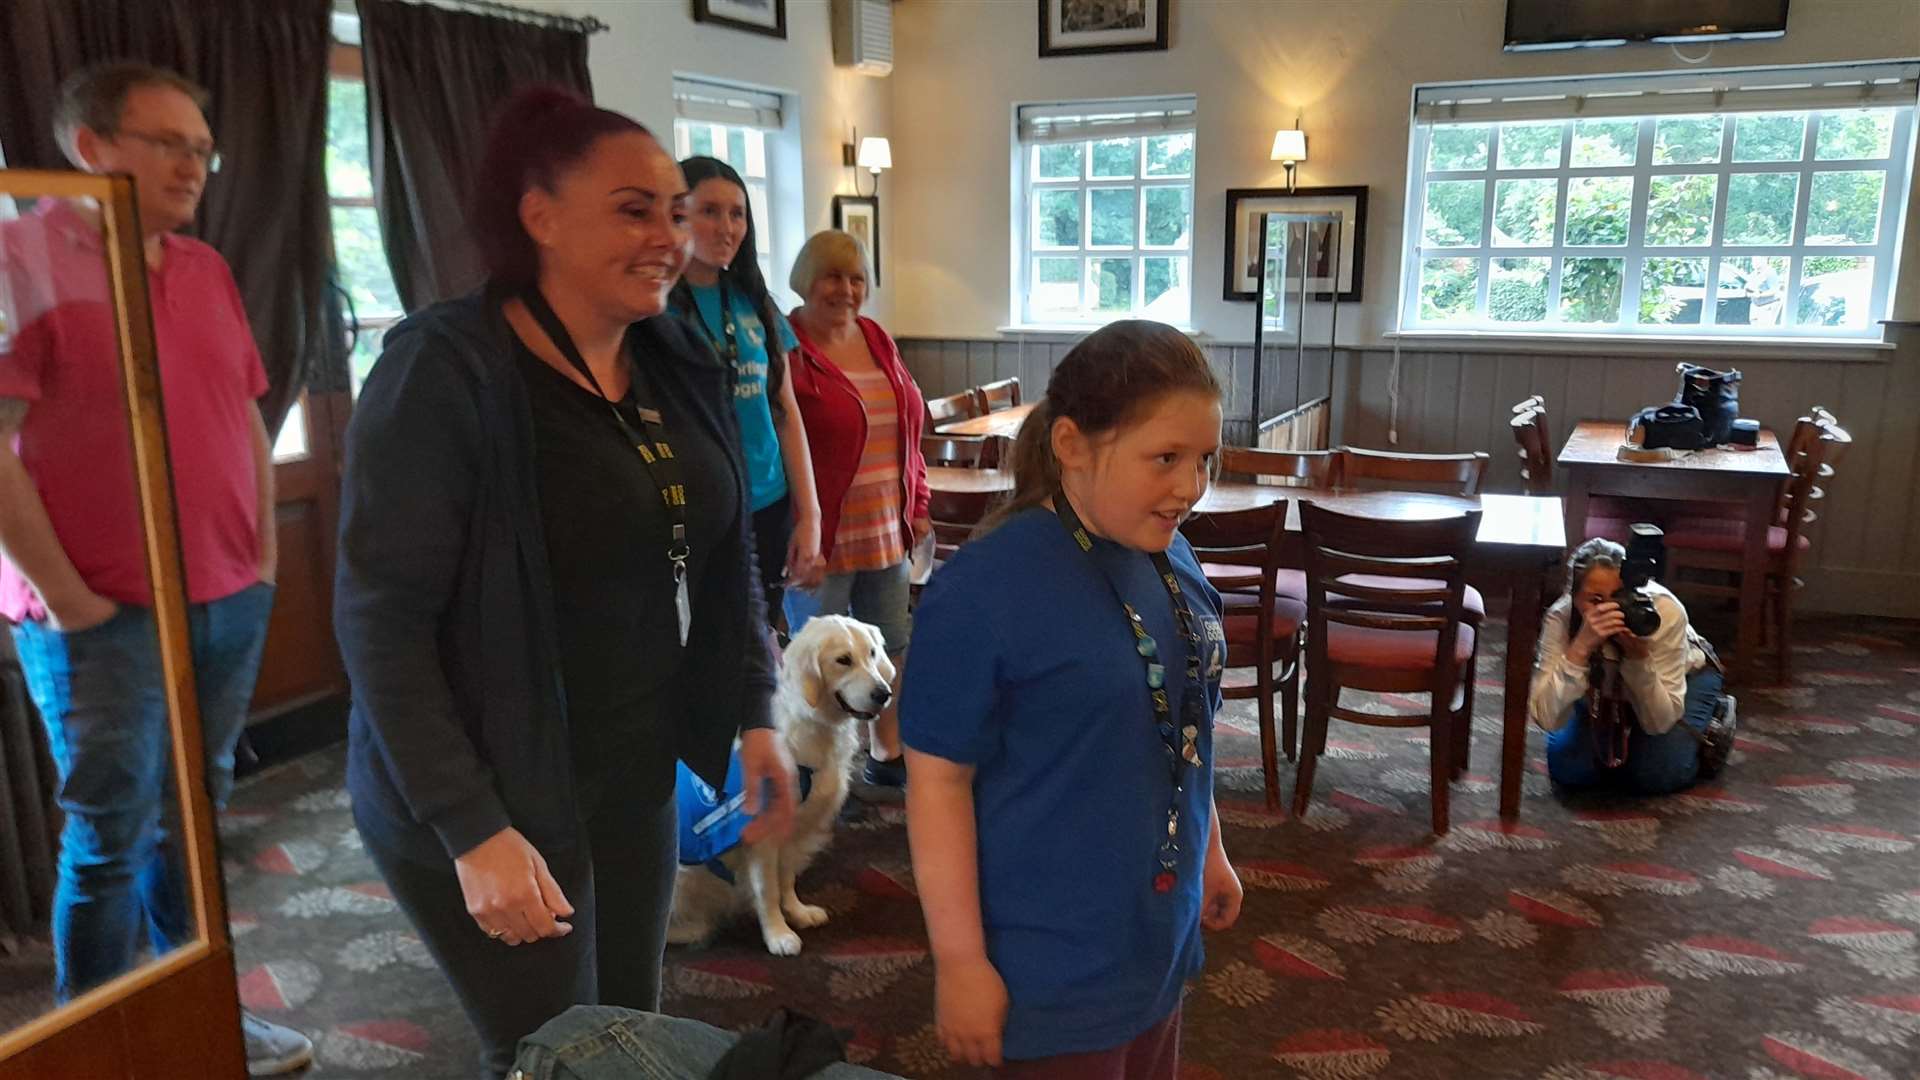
(546, 590)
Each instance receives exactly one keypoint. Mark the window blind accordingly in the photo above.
(1729, 91)
(1074, 121)
(718, 103)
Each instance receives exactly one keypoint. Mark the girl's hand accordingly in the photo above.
(764, 760)
(920, 527)
(805, 567)
(1220, 891)
(970, 1010)
(509, 892)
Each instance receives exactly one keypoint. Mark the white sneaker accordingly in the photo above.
(272, 1049)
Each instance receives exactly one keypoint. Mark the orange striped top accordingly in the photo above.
(870, 536)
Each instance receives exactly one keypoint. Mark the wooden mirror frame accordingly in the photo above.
(179, 1014)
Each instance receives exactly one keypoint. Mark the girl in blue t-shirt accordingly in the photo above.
(1058, 715)
(724, 296)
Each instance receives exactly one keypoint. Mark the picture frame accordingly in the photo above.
(767, 17)
(859, 216)
(1089, 27)
(1243, 260)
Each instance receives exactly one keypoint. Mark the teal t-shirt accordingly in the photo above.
(766, 475)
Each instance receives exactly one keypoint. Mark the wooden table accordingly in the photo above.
(1005, 423)
(1749, 479)
(1521, 537)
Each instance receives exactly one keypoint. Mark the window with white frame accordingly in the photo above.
(731, 124)
(1105, 226)
(1738, 203)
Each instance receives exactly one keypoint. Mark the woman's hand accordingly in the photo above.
(509, 892)
(1631, 646)
(805, 567)
(1599, 623)
(920, 527)
(1220, 890)
(764, 760)
(84, 613)
(970, 1010)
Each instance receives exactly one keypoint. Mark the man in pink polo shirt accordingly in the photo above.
(73, 579)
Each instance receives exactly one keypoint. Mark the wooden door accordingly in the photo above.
(302, 664)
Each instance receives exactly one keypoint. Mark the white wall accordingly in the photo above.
(1346, 68)
(651, 41)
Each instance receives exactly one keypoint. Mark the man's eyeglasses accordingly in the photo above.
(177, 148)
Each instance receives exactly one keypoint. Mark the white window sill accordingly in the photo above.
(1073, 331)
(1746, 348)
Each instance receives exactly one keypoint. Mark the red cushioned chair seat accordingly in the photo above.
(1230, 578)
(1725, 534)
(1400, 650)
(1240, 619)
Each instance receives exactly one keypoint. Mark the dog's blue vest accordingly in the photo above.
(711, 821)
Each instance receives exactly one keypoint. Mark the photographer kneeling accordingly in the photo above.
(1616, 704)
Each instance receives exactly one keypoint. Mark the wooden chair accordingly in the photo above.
(1710, 544)
(1291, 468)
(957, 451)
(955, 515)
(1450, 474)
(1397, 640)
(995, 396)
(945, 410)
(1262, 627)
(1607, 515)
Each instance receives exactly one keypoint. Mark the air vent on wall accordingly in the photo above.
(863, 35)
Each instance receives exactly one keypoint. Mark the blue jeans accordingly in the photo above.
(1656, 764)
(102, 696)
(879, 597)
(601, 1042)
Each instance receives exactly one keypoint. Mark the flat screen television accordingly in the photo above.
(1573, 24)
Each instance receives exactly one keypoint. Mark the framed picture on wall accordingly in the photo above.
(1082, 27)
(767, 17)
(1244, 259)
(859, 217)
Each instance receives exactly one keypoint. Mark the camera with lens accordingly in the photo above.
(1646, 558)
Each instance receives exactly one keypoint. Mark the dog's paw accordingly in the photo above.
(783, 942)
(807, 916)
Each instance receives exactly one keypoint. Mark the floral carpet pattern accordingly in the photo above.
(1762, 927)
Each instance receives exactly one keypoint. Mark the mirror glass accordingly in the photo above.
(1299, 307)
(93, 875)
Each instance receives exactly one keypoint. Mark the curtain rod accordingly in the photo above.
(583, 25)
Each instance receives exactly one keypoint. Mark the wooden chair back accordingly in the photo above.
(995, 396)
(1810, 459)
(1449, 474)
(957, 451)
(955, 516)
(945, 410)
(1535, 450)
(1291, 468)
(1532, 402)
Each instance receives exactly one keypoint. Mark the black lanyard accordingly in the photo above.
(1182, 745)
(728, 348)
(655, 450)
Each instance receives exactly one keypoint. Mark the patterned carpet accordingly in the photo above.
(1761, 928)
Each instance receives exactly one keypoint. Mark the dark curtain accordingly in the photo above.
(265, 62)
(434, 79)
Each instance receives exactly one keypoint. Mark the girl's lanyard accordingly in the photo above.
(656, 452)
(723, 343)
(1182, 745)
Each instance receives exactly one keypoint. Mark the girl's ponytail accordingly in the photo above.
(1112, 376)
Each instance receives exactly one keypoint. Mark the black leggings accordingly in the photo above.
(772, 528)
(624, 867)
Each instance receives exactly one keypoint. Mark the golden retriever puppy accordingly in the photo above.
(834, 677)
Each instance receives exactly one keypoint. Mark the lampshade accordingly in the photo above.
(1289, 146)
(875, 153)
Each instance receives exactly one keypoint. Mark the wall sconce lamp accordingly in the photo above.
(873, 154)
(1290, 149)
